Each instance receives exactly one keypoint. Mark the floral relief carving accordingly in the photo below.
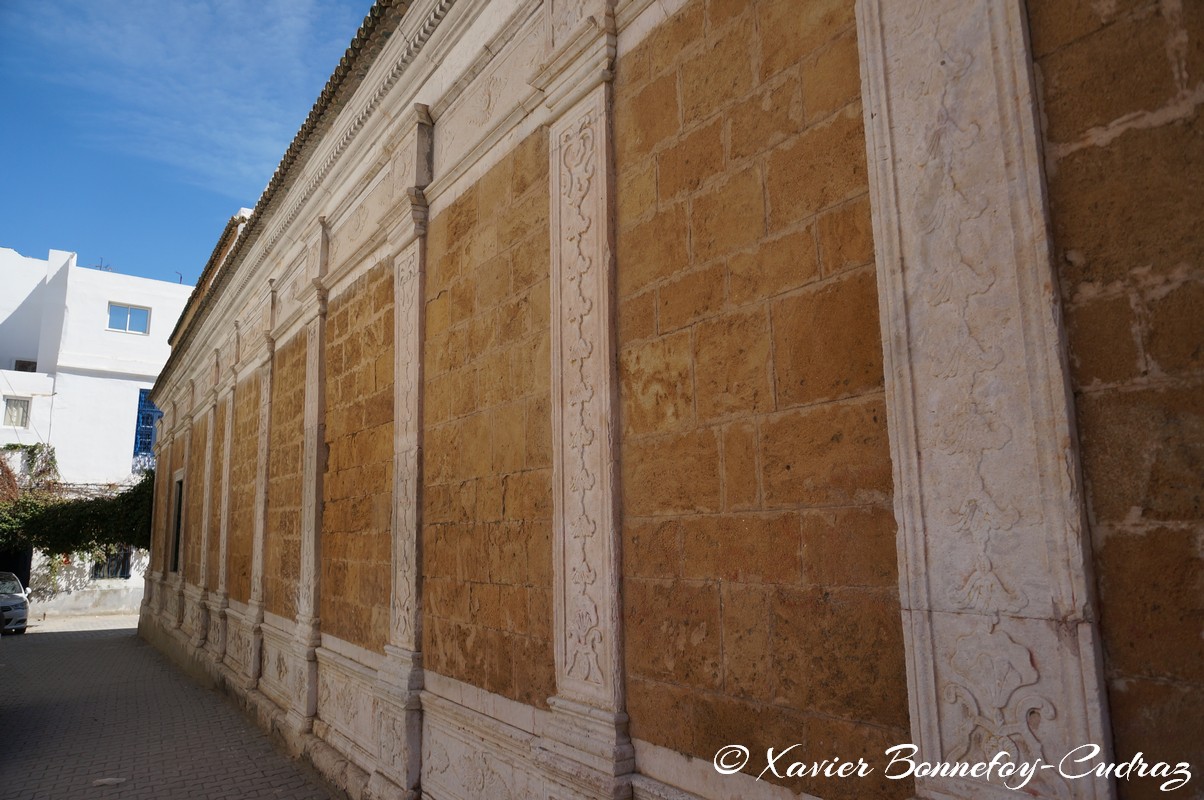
(281, 668)
(956, 234)
(481, 779)
(986, 509)
(578, 165)
(401, 176)
(405, 469)
(999, 708)
(435, 760)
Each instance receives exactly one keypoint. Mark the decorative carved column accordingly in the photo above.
(255, 606)
(204, 606)
(222, 599)
(194, 595)
(308, 635)
(1002, 647)
(219, 601)
(400, 678)
(589, 726)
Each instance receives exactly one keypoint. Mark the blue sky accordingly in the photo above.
(131, 130)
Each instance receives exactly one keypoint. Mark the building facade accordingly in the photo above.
(601, 387)
(79, 352)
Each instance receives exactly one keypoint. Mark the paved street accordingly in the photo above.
(89, 711)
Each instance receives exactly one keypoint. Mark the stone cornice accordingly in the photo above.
(382, 21)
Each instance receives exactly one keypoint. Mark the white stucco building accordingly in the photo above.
(78, 347)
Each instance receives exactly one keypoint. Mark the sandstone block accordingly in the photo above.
(832, 76)
(674, 632)
(1125, 205)
(1152, 604)
(652, 250)
(850, 547)
(721, 73)
(747, 662)
(637, 317)
(1141, 453)
(656, 384)
(731, 362)
(652, 548)
(767, 117)
(846, 237)
(1103, 334)
(635, 197)
(1117, 70)
(646, 120)
(833, 454)
(728, 216)
(684, 165)
(827, 342)
(840, 652)
(1175, 340)
(791, 29)
(747, 548)
(690, 297)
(776, 266)
(1159, 719)
(740, 471)
(678, 473)
(823, 166)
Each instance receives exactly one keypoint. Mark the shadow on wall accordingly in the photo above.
(68, 585)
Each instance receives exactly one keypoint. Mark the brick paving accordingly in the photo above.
(90, 711)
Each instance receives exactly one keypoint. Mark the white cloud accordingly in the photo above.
(213, 88)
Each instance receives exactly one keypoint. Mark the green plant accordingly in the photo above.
(39, 516)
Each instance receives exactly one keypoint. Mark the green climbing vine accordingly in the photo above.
(34, 511)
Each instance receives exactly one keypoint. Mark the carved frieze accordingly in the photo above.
(362, 224)
(496, 94)
(292, 290)
(277, 678)
(347, 705)
(467, 755)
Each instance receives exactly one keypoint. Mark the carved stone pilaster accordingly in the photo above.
(207, 498)
(255, 606)
(221, 600)
(1002, 648)
(400, 679)
(590, 725)
(308, 636)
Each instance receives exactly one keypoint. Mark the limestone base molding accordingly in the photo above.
(215, 639)
(195, 619)
(479, 744)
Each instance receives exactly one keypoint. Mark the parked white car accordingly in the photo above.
(14, 604)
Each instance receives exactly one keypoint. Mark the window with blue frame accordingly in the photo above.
(144, 432)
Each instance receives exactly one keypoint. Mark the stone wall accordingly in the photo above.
(580, 467)
(358, 484)
(282, 541)
(161, 513)
(217, 468)
(244, 447)
(1122, 86)
(487, 556)
(194, 501)
(760, 581)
